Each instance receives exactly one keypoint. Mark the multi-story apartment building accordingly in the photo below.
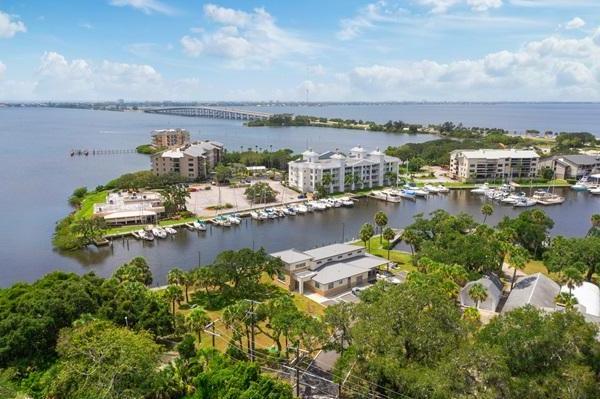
(192, 161)
(170, 138)
(572, 166)
(359, 169)
(480, 165)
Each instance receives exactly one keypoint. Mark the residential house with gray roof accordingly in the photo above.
(492, 285)
(572, 166)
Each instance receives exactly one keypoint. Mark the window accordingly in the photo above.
(341, 282)
(330, 286)
(317, 285)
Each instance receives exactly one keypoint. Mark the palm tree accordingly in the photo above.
(366, 233)
(388, 235)
(572, 277)
(486, 210)
(411, 239)
(174, 294)
(203, 278)
(356, 180)
(327, 181)
(595, 229)
(478, 293)
(348, 180)
(381, 220)
(517, 258)
(196, 321)
(179, 277)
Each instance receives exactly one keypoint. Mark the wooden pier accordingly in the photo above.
(93, 152)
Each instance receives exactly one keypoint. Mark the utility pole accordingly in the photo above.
(212, 327)
(252, 325)
(297, 369)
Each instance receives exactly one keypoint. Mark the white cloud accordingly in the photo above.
(2, 69)
(244, 38)
(441, 6)
(554, 68)
(10, 26)
(78, 79)
(317, 70)
(147, 6)
(575, 23)
(367, 17)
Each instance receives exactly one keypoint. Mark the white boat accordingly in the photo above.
(482, 189)
(431, 189)
(170, 230)
(159, 232)
(525, 202)
(443, 189)
(301, 208)
(198, 225)
(512, 198)
(145, 235)
(347, 201)
(255, 215)
(545, 198)
(337, 203)
(595, 190)
(234, 219)
(262, 215)
(408, 194)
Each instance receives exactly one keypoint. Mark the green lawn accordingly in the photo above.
(87, 204)
(401, 258)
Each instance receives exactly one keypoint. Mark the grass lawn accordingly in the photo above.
(87, 204)
(401, 258)
(536, 266)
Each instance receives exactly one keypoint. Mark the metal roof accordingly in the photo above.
(291, 256)
(497, 154)
(536, 289)
(329, 251)
(493, 287)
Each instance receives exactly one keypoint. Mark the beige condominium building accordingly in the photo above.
(192, 161)
(359, 169)
(480, 165)
(169, 138)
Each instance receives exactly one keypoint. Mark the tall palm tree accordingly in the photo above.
(486, 210)
(388, 235)
(381, 220)
(327, 181)
(517, 258)
(356, 180)
(411, 239)
(348, 180)
(174, 293)
(478, 293)
(366, 233)
(177, 276)
(572, 277)
(196, 321)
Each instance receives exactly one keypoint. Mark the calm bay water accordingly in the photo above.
(37, 175)
(557, 117)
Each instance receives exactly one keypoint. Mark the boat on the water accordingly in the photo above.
(546, 198)
(525, 202)
(199, 225)
(595, 190)
(170, 230)
(408, 194)
(431, 189)
(159, 232)
(145, 235)
(443, 189)
(347, 201)
(482, 189)
(234, 219)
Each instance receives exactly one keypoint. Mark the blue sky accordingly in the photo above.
(345, 50)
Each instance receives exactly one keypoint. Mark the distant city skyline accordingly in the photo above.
(344, 50)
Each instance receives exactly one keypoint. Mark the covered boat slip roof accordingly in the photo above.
(336, 271)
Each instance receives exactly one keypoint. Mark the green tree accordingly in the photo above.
(486, 210)
(381, 220)
(348, 180)
(517, 259)
(327, 182)
(411, 238)
(99, 360)
(181, 278)
(572, 278)
(89, 229)
(389, 234)
(595, 229)
(174, 294)
(565, 252)
(478, 293)
(135, 270)
(365, 233)
(175, 197)
(260, 193)
(223, 173)
(531, 228)
(339, 319)
(357, 180)
(196, 321)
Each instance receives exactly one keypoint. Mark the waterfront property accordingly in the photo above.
(328, 270)
(193, 161)
(536, 290)
(360, 169)
(486, 164)
(572, 166)
(125, 207)
(170, 138)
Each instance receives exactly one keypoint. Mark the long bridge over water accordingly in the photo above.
(210, 112)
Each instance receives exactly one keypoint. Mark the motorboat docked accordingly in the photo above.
(300, 208)
(170, 230)
(145, 235)
(199, 225)
(346, 201)
(482, 189)
(595, 190)
(512, 198)
(234, 219)
(431, 189)
(443, 189)
(387, 195)
(418, 192)
(525, 202)
(408, 194)
(159, 232)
